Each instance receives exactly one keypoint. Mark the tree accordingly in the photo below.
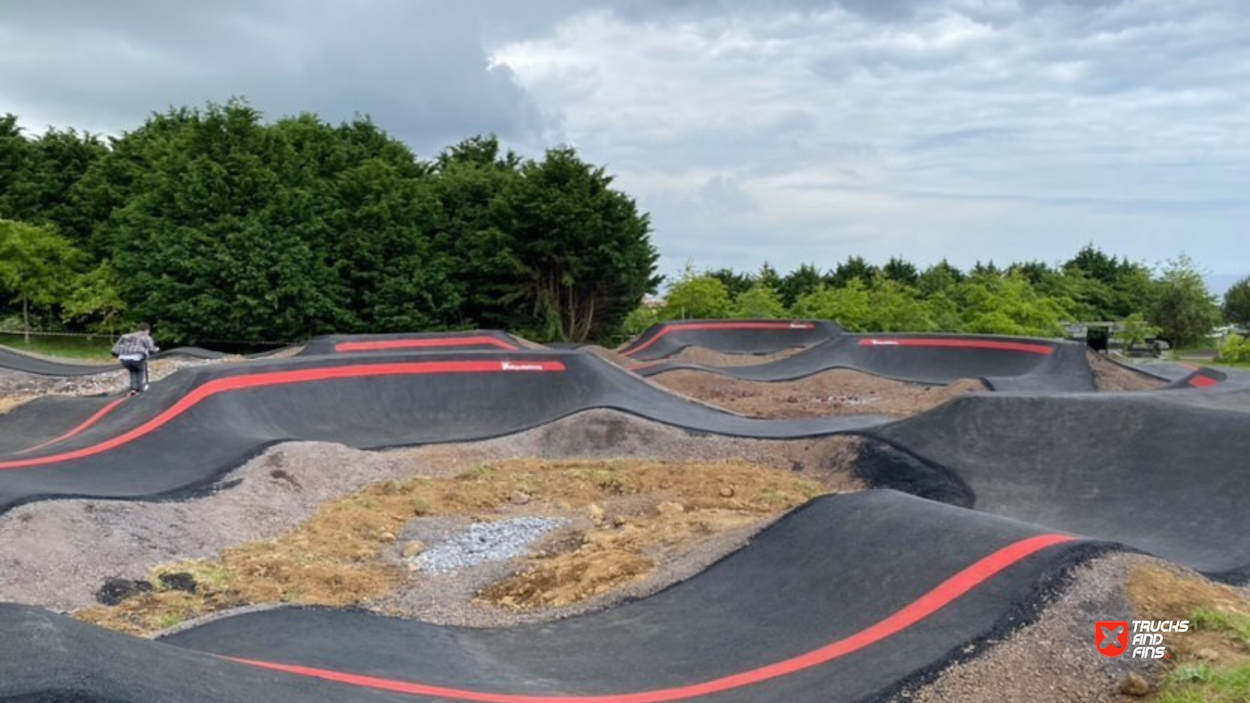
(758, 303)
(940, 278)
(225, 235)
(850, 306)
(798, 283)
(900, 271)
(696, 296)
(854, 267)
(1237, 303)
(1009, 305)
(1135, 330)
(35, 265)
(582, 250)
(1185, 311)
(897, 308)
(768, 277)
(95, 301)
(1094, 263)
(736, 283)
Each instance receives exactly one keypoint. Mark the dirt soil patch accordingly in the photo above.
(629, 516)
(1209, 661)
(1110, 376)
(710, 357)
(833, 392)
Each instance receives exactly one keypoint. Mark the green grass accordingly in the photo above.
(1204, 683)
(87, 348)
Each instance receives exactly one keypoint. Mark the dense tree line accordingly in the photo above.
(216, 225)
(1031, 298)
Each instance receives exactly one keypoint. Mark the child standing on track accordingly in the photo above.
(133, 351)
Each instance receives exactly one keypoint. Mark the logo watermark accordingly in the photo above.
(1141, 639)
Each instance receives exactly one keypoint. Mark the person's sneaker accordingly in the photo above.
(132, 394)
(145, 388)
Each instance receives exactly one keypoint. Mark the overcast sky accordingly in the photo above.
(790, 131)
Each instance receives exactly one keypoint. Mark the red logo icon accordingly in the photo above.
(1111, 637)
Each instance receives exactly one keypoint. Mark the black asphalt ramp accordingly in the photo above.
(200, 423)
(1167, 472)
(839, 601)
(728, 336)
(1004, 363)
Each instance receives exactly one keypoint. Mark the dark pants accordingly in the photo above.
(138, 369)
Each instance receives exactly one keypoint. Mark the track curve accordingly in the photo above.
(898, 587)
(200, 423)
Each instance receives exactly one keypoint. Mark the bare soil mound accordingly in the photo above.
(711, 357)
(57, 554)
(1110, 376)
(833, 392)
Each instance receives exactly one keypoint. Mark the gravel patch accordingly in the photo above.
(485, 541)
(1053, 659)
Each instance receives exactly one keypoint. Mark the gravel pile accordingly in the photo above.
(485, 542)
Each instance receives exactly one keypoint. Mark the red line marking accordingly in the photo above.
(721, 326)
(1203, 382)
(278, 378)
(421, 344)
(957, 344)
(945, 593)
(77, 430)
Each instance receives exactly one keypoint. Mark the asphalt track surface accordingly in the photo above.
(728, 336)
(1004, 363)
(849, 598)
(200, 423)
(842, 600)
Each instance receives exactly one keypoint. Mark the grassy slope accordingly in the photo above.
(81, 348)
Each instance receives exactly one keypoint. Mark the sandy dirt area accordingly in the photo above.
(833, 392)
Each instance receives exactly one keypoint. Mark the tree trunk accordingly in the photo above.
(26, 320)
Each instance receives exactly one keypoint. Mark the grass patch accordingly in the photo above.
(344, 555)
(79, 348)
(1212, 659)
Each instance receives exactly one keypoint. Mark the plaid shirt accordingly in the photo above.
(135, 344)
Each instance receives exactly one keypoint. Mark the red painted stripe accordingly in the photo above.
(941, 596)
(421, 344)
(956, 344)
(278, 378)
(77, 430)
(721, 326)
(1203, 382)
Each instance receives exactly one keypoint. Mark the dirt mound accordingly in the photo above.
(1110, 376)
(58, 553)
(630, 515)
(834, 392)
(711, 357)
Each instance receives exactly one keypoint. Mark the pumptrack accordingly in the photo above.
(914, 579)
(851, 598)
